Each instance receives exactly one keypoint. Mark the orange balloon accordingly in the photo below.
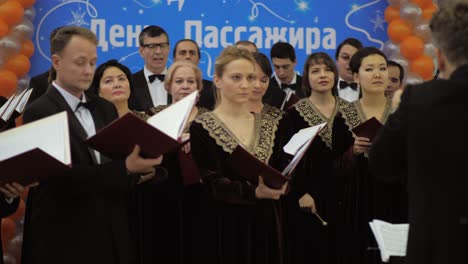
(26, 3)
(3, 28)
(8, 83)
(398, 29)
(412, 47)
(429, 11)
(422, 3)
(391, 13)
(423, 66)
(11, 12)
(18, 215)
(27, 48)
(19, 64)
(8, 230)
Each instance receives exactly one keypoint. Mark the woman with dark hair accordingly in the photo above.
(263, 72)
(313, 185)
(361, 198)
(112, 81)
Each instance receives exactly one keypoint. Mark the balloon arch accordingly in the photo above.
(409, 35)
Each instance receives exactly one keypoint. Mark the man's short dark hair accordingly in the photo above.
(396, 64)
(174, 52)
(151, 31)
(349, 41)
(283, 50)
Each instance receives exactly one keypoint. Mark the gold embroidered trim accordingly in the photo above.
(314, 117)
(262, 143)
(270, 118)
(354, 115)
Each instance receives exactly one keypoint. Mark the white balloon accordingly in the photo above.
(30, 13)
(390, 48)
(396, 3)
(429, 49)
(423, 31)
(413, 78)
(23, 30)
(411, 12)
(9, 45)
(23, 83)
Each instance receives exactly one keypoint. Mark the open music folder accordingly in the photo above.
(14, 106)
(35, 151)
(248, 166)
(159, 134)
(391, 238)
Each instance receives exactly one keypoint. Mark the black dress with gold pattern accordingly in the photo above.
(171, 219)
(361, 197)
(246, 229)
(308, 240)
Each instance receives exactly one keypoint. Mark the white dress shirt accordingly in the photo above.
(293, 81)
(347, 93)
(156, 88)
(82, 114)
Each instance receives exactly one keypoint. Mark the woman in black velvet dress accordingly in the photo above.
(362, 198)
(246, 219)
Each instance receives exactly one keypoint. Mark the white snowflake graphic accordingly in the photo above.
(78, 18)
(378, 22)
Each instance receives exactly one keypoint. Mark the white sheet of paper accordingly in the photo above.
(10, 106)
(49, 134)
(172, 120)
(391, 238)
(301, 138)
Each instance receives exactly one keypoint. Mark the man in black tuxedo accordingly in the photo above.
(285, 80)
(187, 49)
(80, 217)
(347, 88)
(148, 83)
(426, 140)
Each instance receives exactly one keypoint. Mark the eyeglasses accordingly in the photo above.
(154, 46)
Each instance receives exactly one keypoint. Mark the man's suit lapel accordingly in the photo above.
(75, 125)
(142, 94)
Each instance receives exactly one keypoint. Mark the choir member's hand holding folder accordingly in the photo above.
(159, 134)
(35, 151)
(249, 167)
(368, 129)
(391, 238)
(14, 107)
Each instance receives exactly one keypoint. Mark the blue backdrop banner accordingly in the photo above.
(309, 25)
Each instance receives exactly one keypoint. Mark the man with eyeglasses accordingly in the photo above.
(148, 83)
(187, 49)
(285, 85)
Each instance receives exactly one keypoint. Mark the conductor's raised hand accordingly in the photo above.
(136, 164)
(264, 192)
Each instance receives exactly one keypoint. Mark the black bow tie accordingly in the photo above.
(90, 105)
(290, 86)
(151, 78)
(344, 84)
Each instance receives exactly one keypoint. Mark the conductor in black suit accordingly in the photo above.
(426, 139)
(148, 83)
(81, 216)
